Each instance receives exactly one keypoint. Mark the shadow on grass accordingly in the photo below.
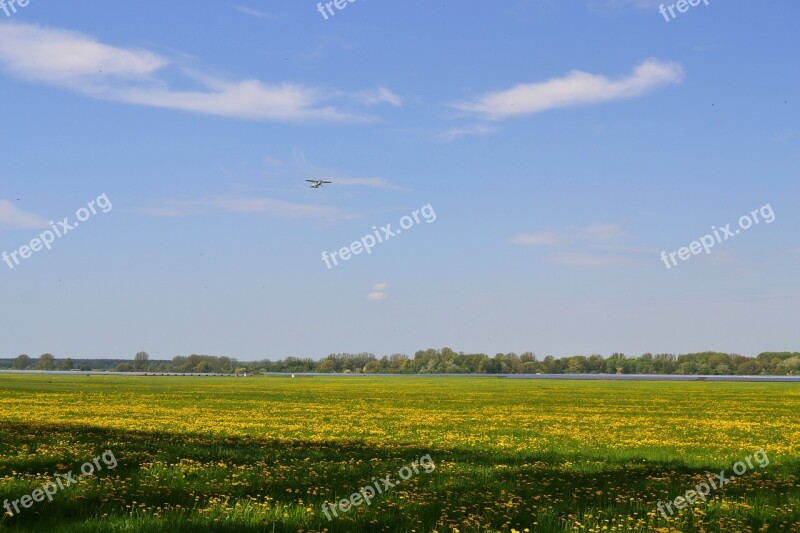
(506, 488)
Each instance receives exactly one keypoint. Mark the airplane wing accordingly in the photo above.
(311, 181)
(325, 181)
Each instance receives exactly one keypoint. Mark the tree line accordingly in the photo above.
(444, 361)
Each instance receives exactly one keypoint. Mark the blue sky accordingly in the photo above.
(562, 146)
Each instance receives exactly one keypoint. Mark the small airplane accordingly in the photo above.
(317, 183)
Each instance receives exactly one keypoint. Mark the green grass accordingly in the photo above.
(263, 454)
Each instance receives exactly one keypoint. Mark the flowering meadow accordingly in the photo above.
(259, 454)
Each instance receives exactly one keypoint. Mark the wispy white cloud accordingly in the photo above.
(603, 232)
(381, 95)
(543, 238)
(378, 291)
(14, 218)
(253, 12)
(70, 59)
(249, 99)
(576, 88)
(80, 63)
(299, 168)
(245, 205)
(455, 133)
(594, 246)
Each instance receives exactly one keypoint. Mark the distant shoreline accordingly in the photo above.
(578, 377)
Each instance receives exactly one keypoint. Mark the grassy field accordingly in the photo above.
(264, 454)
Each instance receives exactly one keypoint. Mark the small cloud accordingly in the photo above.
(543, 238)
(253, 12)
(378, 291)
(455, 133)
(381, 95)
(576, 88)
(603, 232)
(11, 217)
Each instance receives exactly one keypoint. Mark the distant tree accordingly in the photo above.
(326, 366)
(664, 363)
(141, 362)
(399, 362)
(644, 365)
(46, 362)
(22, 362)
(576, 365)
(445, 361)
(615, 364)
(179, 364)
(722, 369)
(372, 367)
(595, 364)
(489, 366)
(551, 365)
(512, 364)
(791, 366)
